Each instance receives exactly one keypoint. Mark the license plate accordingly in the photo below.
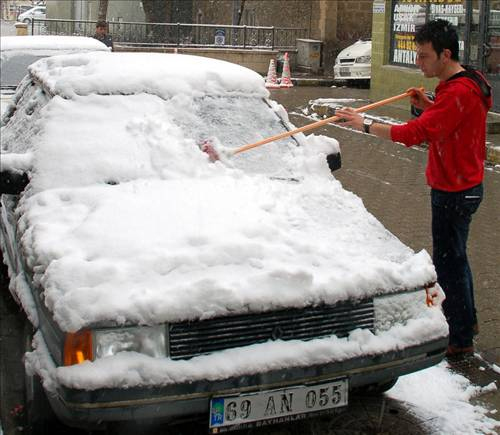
(244, 410)
(345, 71)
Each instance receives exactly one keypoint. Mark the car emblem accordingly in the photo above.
(277, 333)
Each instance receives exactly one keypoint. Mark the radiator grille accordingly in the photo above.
(188, 339)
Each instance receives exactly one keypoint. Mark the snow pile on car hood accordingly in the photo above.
(147, 230)
(127, 221)
(160, 74)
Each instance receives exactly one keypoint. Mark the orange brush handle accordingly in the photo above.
(322, 122)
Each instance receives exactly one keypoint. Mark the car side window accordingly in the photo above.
(23, 111)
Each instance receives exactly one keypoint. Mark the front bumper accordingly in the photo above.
(89, 409)
(352, 71)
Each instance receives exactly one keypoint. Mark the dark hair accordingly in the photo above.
(441, 34)
(101, 24)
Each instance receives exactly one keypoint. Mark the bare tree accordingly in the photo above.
(102, 12)
(240, 11)
(156, 11)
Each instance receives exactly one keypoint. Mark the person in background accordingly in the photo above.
(454, 127)
(101, 34)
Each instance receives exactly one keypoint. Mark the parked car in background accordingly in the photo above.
(21, 9)
(157, 285)
(18, 52)
(354, 62)
(34, 12)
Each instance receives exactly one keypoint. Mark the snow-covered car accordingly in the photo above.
(32, 13)
(354, 62)
(160, 285)
(18, 52)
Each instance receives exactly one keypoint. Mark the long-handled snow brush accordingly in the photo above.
(214, 154)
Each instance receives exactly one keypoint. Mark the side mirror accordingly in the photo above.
(13, 182)
(334, 161)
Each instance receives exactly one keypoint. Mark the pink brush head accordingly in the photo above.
(208, 147)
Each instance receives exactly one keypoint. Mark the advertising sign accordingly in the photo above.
(409, 15)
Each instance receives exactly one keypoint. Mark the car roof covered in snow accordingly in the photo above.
(161, 74)
(45, 42)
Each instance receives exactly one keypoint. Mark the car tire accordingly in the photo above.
(27, 21)
(39, 416)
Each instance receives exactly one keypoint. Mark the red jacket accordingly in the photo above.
(455, 129)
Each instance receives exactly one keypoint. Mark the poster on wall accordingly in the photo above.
(406, 17)
(409, 15)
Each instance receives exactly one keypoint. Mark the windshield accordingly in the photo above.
(15, 67)
(237, 121)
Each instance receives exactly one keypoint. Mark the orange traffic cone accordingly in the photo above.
(271, 79)
(286, 81)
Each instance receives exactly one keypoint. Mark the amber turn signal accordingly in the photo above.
(78, 347)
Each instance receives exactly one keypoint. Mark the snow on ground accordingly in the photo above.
(443, 399)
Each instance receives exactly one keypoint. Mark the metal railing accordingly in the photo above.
(178, 34)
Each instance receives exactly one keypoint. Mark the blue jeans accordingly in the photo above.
(451, 216)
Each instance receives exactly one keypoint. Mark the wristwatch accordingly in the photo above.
(367, 122)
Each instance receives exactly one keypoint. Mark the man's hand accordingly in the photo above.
(419, 99)
(349, 118)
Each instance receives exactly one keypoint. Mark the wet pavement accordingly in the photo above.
(390, 180)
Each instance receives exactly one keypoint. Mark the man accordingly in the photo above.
(454, 126)
(101, 34)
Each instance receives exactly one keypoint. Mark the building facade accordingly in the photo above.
(393, 50)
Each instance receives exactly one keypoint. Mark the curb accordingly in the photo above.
(302, 81)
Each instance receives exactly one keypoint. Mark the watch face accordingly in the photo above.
(368, 121)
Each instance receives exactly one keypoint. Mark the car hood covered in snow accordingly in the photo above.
(359, 48)
(126, 220)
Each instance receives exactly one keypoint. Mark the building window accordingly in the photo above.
(407, 16)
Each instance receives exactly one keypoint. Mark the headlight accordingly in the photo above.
(398, 308)
(363, 59)
(337, 61)
(149, 340)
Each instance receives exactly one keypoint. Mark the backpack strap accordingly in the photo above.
(477, 77)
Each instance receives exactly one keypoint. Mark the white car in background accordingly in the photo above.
(157, 285)
(354, 62)
(18, 52)
(34, 12)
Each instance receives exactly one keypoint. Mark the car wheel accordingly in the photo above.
(38, 413)
(27, 21)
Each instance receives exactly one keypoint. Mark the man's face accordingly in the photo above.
(101, 30)
(431, 64)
